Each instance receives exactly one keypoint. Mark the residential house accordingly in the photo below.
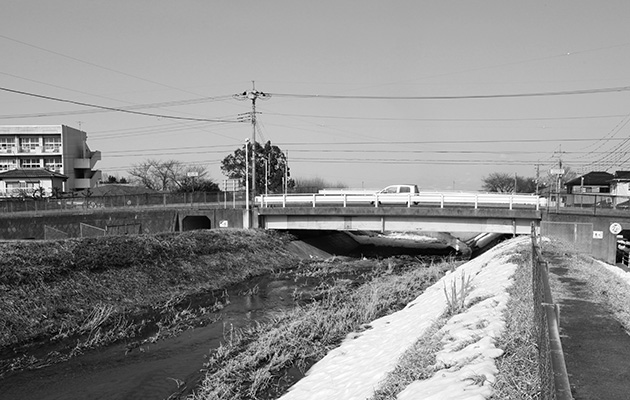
(620, 187)
(30, 182)
(588, 189)
(57, 148)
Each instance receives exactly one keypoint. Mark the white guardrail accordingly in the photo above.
(475, 200)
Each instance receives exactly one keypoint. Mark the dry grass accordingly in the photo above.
(253, 363)
(90, 290)
(417, 363)
(456, 298)
(518, 377)
(602, 284)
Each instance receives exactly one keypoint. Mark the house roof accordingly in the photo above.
(622, 175)
(594, 178)
(31, 174)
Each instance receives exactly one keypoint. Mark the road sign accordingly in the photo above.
(231, 185)
(615, 228)
(556, 171)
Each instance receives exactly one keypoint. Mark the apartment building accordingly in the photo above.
(56, 148)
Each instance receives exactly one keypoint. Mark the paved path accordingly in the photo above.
(596, 347)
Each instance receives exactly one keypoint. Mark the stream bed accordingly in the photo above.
(169, 367)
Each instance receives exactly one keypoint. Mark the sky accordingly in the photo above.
(356, 368)
(363, 93)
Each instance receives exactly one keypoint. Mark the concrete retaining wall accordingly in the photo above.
(590, 234)
(149, 220)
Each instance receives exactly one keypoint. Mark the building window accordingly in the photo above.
(53, 164)
(7, 165)
(30, 163)
(7, 145)
(20, 185)
(29, 144)
(52, 144)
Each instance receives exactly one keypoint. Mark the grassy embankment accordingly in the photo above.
(264, 360)
(603, 285)
(517, 376)
(95, 287)
(99, 290)
(252, 363)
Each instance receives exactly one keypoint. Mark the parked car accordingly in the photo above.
(396, 194)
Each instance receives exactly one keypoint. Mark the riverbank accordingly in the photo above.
(442, 343)
(60, 298)
(144, 296)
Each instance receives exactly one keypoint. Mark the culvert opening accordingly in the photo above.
(196, 222)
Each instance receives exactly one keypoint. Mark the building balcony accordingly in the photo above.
(87, 163)
(87, 183)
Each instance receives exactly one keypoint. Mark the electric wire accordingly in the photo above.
(446, 119)
(95, 65)
(118, 109)
(458, 97)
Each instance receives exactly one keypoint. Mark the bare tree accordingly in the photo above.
(504, 183)
(163, 175)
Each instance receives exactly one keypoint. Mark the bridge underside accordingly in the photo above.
(399, 219)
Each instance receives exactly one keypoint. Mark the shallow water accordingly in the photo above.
(153, 370)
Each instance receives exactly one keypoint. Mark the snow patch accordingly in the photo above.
(355, 369)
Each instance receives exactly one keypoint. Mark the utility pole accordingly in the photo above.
(253, 95)
(537, 179)
(515, 184)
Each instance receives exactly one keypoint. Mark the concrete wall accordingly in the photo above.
(34, 225)
(590, 234)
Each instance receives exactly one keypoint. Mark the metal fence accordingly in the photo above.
(214, 199)
(553, 372)
(590, 201)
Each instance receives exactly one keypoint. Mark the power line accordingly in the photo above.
(465, 141)
(419, 161)
(447, 119)
(460, 97)
(127, 108)
(117, 109)
(94, 65)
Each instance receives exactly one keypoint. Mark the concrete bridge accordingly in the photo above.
(396, 219)
(591, 230)
(427, 211)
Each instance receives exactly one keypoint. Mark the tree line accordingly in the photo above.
(272, 170)
(273, 175)
(503, 182)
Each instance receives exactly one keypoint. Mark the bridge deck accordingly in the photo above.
(451, 219)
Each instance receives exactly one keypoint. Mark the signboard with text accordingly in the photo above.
(231, 185)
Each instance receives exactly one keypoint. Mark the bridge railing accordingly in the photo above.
(432, 199)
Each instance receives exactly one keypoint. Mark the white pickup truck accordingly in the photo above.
(400, 189)
(396, 194)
